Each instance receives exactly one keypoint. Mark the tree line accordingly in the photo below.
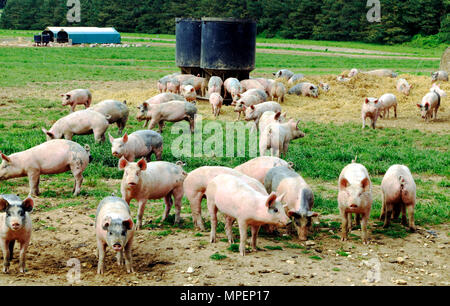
(340, 20)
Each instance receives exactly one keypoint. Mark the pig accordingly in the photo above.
(189, 93)
(15, 225)
(162, 84)
(295, 78)
(139, 144)
(439, 76)
(438, 89)
(259, 166)
(254, 112)
(284, 73)
(77, 97)
(196, 182)
(173, 86)
(225, 193)
(324, 86)
(354, 196)
(403, 87)
(198, 83)
(51, 157)
(172, 111)
(83, 122)
(305, 89)
(370, 109)
(158, 99)
(249, 98)
(269, 117)
(114, 228)
(277, 137)
(216, 101)
(151, 181)
(278, 91)
(297, 195)
(266, 83)
(342, 78)
(383, 73)
(353, 73)
(429, 105)
(215, 85)
(398, 191)
(233, 87)
(251, 84)
(116, 111)
(387, 101)
(183, 77)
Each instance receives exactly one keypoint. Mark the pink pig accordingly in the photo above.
(278, 91)
(237, 200)
(269, 117)
(259, 166)
(77, 97)
(15, 225)
(254, 112)
(277, 136)
(216, 101)
(196, 182)
(252, 84)
(354, 196)
(138, 144)
(151, 181)
(215, 85)
(82, 122)
(51, 157)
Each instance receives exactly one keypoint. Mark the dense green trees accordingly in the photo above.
(303, 19)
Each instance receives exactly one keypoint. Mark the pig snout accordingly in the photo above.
(117, 247)
(15, 225)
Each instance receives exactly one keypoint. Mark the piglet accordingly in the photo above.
(277, 136)
(151, 181)
(139, 144)
(196, 182)
(354, 196)
(387, 101)
(440, 75)
(237, 200)
(82, 122)
(403, 87)
(189, 93)
(249, 98)
(252, 84)
(114, 228)
(15, 224)
(295, 78)
(383, 73)
(398, 191)
(216, 101)
(254, 112)
(278, 91)
(51, 157)
(269, 117)
(305, 89)
(297, 195)
(284, 73)
(430, 105)
(77, 97)
(215, 85)
(370, 109)
(233, 87)
(115, 112)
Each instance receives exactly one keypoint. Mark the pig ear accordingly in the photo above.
(106, 222)
(296, 124)
(128, 224)
(145, 104)
(365, 183)
(311, 88)
(277, 116)
(271, 200)
(142, 164)
(281, 197)
(419, 106)
(125, 138)
(111, 139)
(5, 158)
(427, 105)
(123, 163)
(68, 96)
(375, 101)
(367, 100)
(192, 89)
(3, 203)
(28, 204)
(344, 183)
(252, 107)
(49, 134)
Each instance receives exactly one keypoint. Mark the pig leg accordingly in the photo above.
(68, 135)
(152, 123)
(255, 230)
(78, 174)
(344, 225)
(99, 135)
(141, 213)
(5, 251)
(349, 222)
(243, 236)
(128, 258)
(11, 249)
(365, 218)
(161, 126)
(229, 228)
(72, 107)
(178, 196)
(158, 153)
(33, 179)
(119, 257)
(145, 123)
(395, 111)
(191, 124)
(213, 215)
(23, 252)
(195, 201)
(388, 216)
(403, 208)
(363, 122)
(101, 247)
(410, 209)
(168, 203)
(383, 207)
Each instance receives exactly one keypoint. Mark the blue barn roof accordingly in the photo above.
(84, 35)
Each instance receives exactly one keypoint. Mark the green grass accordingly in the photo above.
(217, 256)
(273, 247)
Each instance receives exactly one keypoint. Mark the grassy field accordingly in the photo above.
(319, 157)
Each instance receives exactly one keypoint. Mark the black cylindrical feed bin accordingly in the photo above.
(188, 46)
(228, 47)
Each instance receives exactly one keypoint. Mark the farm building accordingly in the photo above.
(83, 35)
